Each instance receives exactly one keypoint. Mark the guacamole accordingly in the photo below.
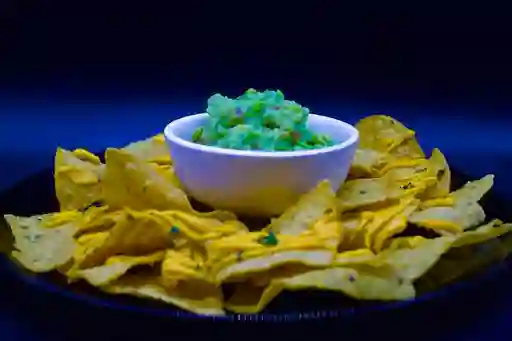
(263, 121)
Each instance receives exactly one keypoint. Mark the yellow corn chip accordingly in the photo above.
(310, 207)
(382, 217)
(198, 298)
(41, 249)
(77, 182)
(114, 268)
(363, 192)
(367, 163)
(186, 264)
(396, 226)
(493, 229)
(133, 234)
(382, 133)
(443, 174)
(153, 149)
(353, 226)
(474, 191)
(129, 182)
(408, 149)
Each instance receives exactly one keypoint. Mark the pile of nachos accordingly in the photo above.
(126, 226)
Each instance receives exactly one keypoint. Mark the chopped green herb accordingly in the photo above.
(175, 229)
(269, 240)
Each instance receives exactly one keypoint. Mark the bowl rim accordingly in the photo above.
(174, 139)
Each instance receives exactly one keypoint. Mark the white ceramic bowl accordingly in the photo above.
(256, 182)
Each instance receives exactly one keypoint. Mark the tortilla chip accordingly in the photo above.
(382, 217)
(438, 202)
(450, 220)
(85, 244)
(201, 229)
(250, 299)
(363, 192)
(129, 182)
(153, 149)
(114, 268)
(87, 156)
(408, 149)
(443, 174)
(167, 172)
(367, 163)
(186, 264)
(77, 182)
(412, 260)
(481, 234)
(310, 207)
(248, 267)
(97, 219)
(60, 218)
(354, 257)
(396, 226)
(198, 298)
(354, 282)
(353, 226)
(134, 234)
(473, 191)
(382, 133)
(41, 249)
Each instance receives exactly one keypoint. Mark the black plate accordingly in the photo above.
(36, 195)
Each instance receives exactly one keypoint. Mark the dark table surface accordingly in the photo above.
(474, 139)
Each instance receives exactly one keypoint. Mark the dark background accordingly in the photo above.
(402, 51)
(96, 74)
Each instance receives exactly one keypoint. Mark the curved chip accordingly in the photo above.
(353, 226)
(367, 163)
(363, 192)
(381, 217)
(465, 212)
(492, 229)
(396, 226)
(114, 268)
(77, 182)
(443, 175)
(249, 267)
(382, 133)
(411, 259)
(41, 249)
(408, 149)
(473, 191)
(86, 155)
(153, 149)
(359, 283)
(452, 220)
(310, 207)
(186, 264)
(129, 182)
(133, 234)
(198, 298)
